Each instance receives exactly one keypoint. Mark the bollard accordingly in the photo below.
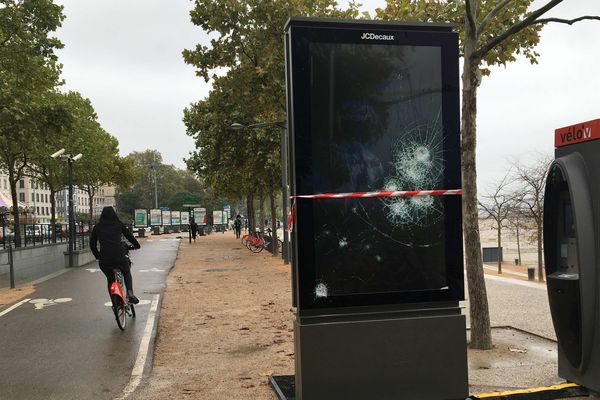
(530, 273)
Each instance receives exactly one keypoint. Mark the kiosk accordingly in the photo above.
(373, 117)
(571, 249)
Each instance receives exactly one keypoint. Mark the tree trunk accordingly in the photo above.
(52, 213)
(261, 211)
(499, 250)
(273, 222)
(251, 217)
(91, 193)
(539, 251)
(481, 334)
(518, 244)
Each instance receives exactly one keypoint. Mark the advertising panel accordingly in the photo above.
(155, 217)
(390, 128)
(175, 217)
(217, 217)
(185, 218)
(166, 218)
(141, 217)
(200, 215)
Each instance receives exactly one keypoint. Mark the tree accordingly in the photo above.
(531, 194)
(101, 164)
(491, 33)
(517, 222)
(55, 130)
(497, 205)
(249, 46)
(170, 183)
(28, 69)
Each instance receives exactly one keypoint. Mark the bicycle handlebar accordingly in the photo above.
(127, 246)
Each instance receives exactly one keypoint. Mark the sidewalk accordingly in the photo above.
(225, 324)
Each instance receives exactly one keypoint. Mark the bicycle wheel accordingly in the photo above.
(258, 247)
(120, 311)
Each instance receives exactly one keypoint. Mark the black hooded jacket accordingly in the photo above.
(108, 232)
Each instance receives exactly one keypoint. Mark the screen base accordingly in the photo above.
(389, 357)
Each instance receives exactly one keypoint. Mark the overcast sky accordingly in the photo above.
(126, 57)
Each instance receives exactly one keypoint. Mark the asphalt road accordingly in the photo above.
(65, 344)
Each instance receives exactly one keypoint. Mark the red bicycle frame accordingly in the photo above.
(116, 288)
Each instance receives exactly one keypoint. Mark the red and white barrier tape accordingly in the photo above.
(391, 193)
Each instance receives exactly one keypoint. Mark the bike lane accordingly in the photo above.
(64, 342)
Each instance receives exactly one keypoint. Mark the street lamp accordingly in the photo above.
(154, 166)
(70, 159)
(284, 192)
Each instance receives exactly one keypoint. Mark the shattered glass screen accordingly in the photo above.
(376, 124)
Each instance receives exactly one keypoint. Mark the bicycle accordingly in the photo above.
(121, 305)
(259, 241)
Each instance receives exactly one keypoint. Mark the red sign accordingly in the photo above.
(577, 133)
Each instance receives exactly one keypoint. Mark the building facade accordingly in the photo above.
(35, 197)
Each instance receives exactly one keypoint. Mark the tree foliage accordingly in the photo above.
(28, 70)
(174, 187)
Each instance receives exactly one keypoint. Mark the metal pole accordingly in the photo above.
(155, 189)
(71, 212)
(284, 196)
(11, 271)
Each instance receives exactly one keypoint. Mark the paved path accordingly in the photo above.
(64, 343)
(520, 304)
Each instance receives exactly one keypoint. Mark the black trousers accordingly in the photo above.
(125, 267)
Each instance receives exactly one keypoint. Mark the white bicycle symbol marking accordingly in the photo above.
(41, 303)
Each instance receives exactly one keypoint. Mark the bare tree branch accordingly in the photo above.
(530, 20)
(568, 21)
(470, 10)
(492, 14)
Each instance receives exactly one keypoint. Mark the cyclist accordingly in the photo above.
(108, 232)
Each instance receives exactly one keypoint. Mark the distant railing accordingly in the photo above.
(43, 234)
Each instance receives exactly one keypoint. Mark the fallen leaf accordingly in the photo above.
(266, 373)
(514, 350)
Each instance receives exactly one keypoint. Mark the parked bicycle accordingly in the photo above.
(121, 305)
(258, 241)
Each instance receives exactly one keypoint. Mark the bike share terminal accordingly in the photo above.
(571, 250)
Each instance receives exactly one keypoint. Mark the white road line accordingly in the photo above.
(9, 309)
(138, 367)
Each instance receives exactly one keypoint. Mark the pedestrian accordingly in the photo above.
(237, 226)
(194, 228)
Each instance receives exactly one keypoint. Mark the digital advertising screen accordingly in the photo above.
(200, 215)
(155, 217)
(375, 116)
(141, 217)
(185, 218)
(175, 217)
(166, 218)
(218, 217)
